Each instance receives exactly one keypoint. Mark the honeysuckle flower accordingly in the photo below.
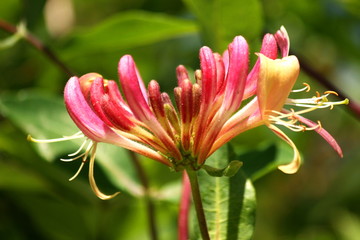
(207, 112)
(275, 80)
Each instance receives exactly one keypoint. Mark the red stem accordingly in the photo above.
(183, 219)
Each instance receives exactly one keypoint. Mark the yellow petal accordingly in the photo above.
(276, 80)
(294, 165)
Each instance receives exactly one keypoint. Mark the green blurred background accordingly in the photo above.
(320, 202)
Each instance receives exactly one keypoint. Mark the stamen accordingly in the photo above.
(331, 92)
(80, 148)
(92, 179)
(318, 101)
(78, 171)
(84, 158)
(292, 123)
(71, 159)
(306, 88)
(64, 138)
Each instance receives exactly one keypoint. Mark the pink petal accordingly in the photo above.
(94, 128)
(283, 41)
(268, 49)
(208, 75)
(181, 74)
(132, 88)
(323, 133)
(82, 114)
(220, 73)
(137, 103)
(97, 91)
(116, 114)
(237, 72)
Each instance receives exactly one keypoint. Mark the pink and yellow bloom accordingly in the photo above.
(207, 113)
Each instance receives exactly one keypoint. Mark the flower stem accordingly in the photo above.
(198, 203)
(39, 45)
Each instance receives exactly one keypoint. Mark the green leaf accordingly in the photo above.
(222, 20)
(44, 116)
(230, 170)
(128, 30)
(229, 202)
(58, 220)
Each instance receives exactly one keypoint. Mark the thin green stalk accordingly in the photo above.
(198, 203)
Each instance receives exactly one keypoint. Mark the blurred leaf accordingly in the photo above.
(222, 20)
(58, 220)
(44, 116)
(9, 9)
(127, 30)
(229, 202)
(25, 180)
(353, 6)
(347, 224)
(169, 192)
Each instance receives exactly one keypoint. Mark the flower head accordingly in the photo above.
(207, 112)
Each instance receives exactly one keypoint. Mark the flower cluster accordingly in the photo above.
(207, 113)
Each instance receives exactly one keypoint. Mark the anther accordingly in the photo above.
(331, 92)
(307, 86)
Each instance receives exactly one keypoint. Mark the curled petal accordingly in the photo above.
(294, 165)
(276, 80)
(82, 114)
(283, 41)
(86, 82)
